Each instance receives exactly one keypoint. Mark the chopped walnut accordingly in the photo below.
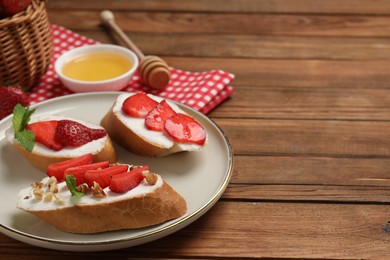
(48, 197)
(150, 177)
(38, 193)
(97, 191)
(37, 185)
(82, 188)
(52, 179)
(53, 187)
(52, 184)
(58, 199)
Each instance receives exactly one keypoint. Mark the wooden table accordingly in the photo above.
(309, 122)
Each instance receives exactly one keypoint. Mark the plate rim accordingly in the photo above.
(180, 223)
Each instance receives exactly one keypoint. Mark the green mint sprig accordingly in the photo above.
(21, 117)
(71, 183)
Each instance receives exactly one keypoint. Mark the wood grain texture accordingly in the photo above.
(349, 103)
(311, 170)
(295, 74)
(256, 46)
(264, 47)
(261, 229)
(333, 138)
(312, 193)
(244, 6)
(233, 23)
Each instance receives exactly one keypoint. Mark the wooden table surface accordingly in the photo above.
(309, 122)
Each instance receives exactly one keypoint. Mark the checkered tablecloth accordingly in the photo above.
(202, 91)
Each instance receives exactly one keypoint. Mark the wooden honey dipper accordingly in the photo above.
(153, 70)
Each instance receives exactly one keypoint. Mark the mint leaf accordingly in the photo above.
(27, 116)
(17, 118)
(21, 117)
(71, 183)
(26, 138)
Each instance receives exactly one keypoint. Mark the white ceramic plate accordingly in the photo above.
(200, 177)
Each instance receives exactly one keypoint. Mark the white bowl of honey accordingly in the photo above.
(100, 67)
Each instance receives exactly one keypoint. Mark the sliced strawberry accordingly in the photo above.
(58, 169)
(126, 181)
(71, 133)
(103, 176)
(185, 129)
(97, 133)
(138, 105)
(45, 133)
(79, 171)
(156, 118)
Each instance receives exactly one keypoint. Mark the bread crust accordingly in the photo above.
(42, 161)
(152, 208)
(128, 139)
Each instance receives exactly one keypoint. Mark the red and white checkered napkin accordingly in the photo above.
(202, 91)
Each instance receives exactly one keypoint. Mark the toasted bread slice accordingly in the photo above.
(41, 157)
(145, 205)
(132, 134)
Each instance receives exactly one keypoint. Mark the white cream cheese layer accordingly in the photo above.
(92, 147)
(137, 125)
(27, 201)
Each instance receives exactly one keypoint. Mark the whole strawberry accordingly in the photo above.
(11, 7)
(9, 97)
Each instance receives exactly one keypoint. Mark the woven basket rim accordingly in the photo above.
(29, 13)
(25, 45)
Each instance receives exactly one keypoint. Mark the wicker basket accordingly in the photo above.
(25, 46)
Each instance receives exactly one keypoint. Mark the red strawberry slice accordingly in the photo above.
(185, 129)
(126, 181)
(103, 176)
(58, 169)
(71, 133)
(79, 171)
(45, 133)
(138, 105)
(156, 118)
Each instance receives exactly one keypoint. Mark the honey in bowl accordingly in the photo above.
(96, 66)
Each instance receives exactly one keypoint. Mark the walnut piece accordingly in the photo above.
(38, 193)
(52, 190)
(58, 199)
(82, 188)
(53, 186)
(150, 177)
(97, 191)
(48, 197)
(37, 185)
